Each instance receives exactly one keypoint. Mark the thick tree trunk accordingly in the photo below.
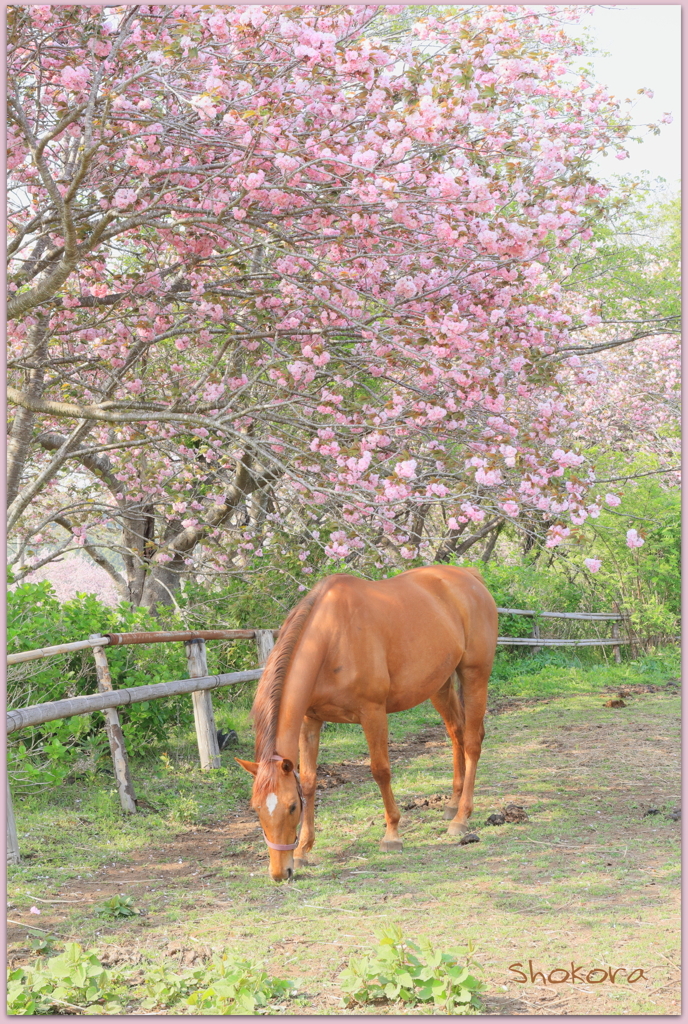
(165, 572)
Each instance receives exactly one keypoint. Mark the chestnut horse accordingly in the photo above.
(355, 651)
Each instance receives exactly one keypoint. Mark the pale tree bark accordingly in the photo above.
(20, 436)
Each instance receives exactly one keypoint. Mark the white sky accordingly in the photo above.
(644, 43)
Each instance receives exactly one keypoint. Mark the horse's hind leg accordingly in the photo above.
(374, 722)
(447, 704)
(474, 699)
(309, 743)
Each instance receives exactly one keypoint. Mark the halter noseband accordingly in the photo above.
(289, 846)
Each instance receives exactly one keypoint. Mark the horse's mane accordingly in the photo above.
(269, 692)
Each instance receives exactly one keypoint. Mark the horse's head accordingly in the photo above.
(278, 800)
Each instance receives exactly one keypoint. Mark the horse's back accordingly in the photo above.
(429, 591)
(397, 640)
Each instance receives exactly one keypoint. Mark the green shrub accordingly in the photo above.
(76, 980)
(413, 973)
(72, 980)
(226, 985)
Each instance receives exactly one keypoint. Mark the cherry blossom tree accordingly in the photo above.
(294, 269)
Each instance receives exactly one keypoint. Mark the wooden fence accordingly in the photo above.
(199, 684)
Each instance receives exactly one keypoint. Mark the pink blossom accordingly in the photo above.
(633, 539)
(75, 79)
(406, 470)
(476, 514)
(511, 508)
(612, 500)
(406, 287)
(593, 564)
(124, 197)
(488, 477)
(556, 534)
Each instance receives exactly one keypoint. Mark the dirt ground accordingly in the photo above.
(198, 861)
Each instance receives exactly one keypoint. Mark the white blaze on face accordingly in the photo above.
(271, 802)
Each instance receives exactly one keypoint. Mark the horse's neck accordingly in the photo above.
(296, 696)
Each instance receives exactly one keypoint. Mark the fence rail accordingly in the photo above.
(592, 616)
(199, 684)
(52, 711)
(121, 639)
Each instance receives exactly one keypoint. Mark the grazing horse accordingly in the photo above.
(355, 651)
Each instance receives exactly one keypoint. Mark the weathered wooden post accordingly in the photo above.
(265, 641)
(113, 728)
(536, 635)
(615, 635)
(13, 856)
(206, 730)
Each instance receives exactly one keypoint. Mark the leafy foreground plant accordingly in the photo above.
(223, 986)
(414, 973)
(77, 980)
(74, 979)
(118, 906)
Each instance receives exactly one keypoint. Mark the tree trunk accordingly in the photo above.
(470, 541)
(448, 545)
(490, 546)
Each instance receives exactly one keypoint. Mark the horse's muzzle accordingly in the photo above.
(282, 872)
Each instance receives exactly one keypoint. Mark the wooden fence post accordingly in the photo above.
(536, 635)
(616, 636)
(264, 643)
(206, 730)
(113, 728)
(13, 856)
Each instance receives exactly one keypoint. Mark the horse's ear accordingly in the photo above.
(250, 766)
(287, 766)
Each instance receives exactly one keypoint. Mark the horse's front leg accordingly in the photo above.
(374, 722)
(309, 743)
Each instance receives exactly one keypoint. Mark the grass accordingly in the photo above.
(589, 878)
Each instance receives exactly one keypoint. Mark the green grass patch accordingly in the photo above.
(553, 673)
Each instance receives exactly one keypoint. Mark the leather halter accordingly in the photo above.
(289, 846)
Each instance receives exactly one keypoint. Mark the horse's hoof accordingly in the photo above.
(457, 828)
(450, 812)
(391, 846)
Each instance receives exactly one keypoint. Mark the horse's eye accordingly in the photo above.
(292, 808)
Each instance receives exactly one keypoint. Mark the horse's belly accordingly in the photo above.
(413, 685)
(411, 696)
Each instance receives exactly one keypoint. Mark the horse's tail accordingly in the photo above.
(269, 692)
